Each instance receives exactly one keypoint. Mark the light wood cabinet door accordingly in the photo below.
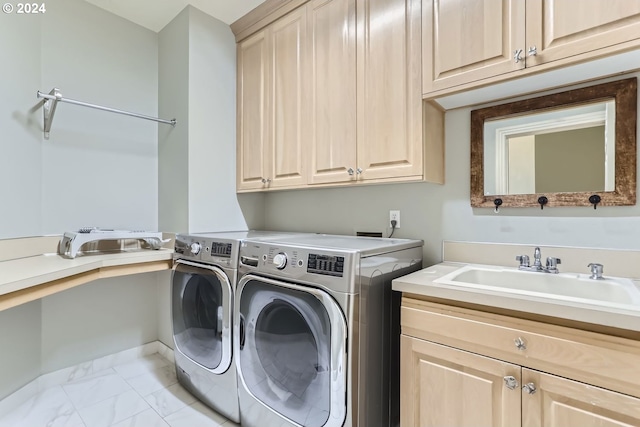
(253, 112)
(332, 90)
(559, 402)
(442, 386)
(469, 40)
(272, 109)
(561, 28)
(389, 89)
(287, 103)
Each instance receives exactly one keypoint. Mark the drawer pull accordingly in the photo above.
(530, 388)
(511, 382)
(520, 344)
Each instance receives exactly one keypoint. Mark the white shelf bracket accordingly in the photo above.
(49, 109)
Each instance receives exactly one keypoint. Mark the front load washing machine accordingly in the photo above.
(314, 345)
(202, 290)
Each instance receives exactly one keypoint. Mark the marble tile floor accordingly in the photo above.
(143, 392)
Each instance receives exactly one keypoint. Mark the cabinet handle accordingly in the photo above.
(533, 51)
(517, 55)
(520, 344)
(358, 171)
(511, 382)
(530, 388)
(266, 180)
(350, 171)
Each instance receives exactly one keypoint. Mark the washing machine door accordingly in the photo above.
(201, 311)
(291, 349)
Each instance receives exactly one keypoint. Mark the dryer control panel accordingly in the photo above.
(325, 264)
(326, 268)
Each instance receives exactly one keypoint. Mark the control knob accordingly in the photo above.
(280, 260)
(195, 248)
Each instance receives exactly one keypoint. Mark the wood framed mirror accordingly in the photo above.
(566, 146)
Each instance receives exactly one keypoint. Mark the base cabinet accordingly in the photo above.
(446, 386)
(560, 402)
(443, 386)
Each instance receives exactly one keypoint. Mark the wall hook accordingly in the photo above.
(497, 202)
(543, 201)
(594, 200)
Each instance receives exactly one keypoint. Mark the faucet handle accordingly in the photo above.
(524, 260)
(552, 264)
(596, 271)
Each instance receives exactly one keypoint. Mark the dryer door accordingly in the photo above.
(291, 349)
(201, 312)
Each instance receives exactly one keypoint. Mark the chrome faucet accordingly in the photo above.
(551, 266)
(536, 258)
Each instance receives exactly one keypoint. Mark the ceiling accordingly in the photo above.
(155, 14)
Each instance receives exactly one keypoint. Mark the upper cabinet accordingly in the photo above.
(388, 89)
(557, 29)
(366, 103)
(472, 42)
(272, 106)
(332, 90)
(331, 93)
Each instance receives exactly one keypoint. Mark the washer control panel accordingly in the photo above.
(198, 248)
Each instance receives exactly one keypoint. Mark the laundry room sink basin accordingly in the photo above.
(610, 290)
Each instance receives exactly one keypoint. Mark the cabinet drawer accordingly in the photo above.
(598, 359)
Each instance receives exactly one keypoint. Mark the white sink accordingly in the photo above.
(572, 286)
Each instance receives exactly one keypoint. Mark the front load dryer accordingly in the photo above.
(315, 344)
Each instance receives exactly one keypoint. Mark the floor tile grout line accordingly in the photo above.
(145, 370)
(75, 408)
(144, 397)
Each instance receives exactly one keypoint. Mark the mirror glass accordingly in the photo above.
(565, 146)
(564, 150)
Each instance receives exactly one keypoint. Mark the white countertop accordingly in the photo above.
(23, 273)
(423, 283)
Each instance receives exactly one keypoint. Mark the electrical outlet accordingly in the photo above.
(394, 216)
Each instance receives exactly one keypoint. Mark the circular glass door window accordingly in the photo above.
(285, 351)
(198, 308)
(287, 347)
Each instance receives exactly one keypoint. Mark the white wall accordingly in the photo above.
(212, 126)
(173, 143)
(198, 73)
(100, 318)
(21, 124)
(433, 213)
(20, 333)
(98, 168)
(366, 208)
(164, 321)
